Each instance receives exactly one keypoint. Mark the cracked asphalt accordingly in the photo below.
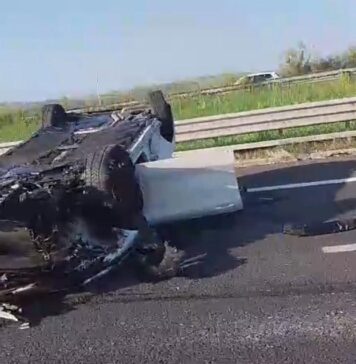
(258, 297)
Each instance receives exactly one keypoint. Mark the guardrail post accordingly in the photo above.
(345, 76)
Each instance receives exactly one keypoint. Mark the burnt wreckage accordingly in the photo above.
(72, 188)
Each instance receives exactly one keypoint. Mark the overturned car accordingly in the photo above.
(87, 190)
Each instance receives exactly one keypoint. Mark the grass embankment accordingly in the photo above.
(19, 125)
(259, 99)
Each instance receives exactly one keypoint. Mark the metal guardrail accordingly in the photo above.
(286, 81)
(277, 118)
(280, 118)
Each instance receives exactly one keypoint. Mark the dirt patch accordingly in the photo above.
(297, 152)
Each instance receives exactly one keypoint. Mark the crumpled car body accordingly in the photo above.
(85, 190)
(72, 187)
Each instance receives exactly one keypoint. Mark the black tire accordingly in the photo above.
(54, 115)
(163, 112)
(96, 171)
(110, 170)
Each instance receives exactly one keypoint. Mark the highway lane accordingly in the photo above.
(259, 296)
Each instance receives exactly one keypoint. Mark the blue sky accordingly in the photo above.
(51, 49)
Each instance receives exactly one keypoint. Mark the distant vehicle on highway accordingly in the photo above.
(256, 78)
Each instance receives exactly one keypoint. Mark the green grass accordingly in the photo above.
(18, 125)
(260, 98)
(263, 98)
(22, 131)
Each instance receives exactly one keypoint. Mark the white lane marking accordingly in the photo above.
(302, 184)
(339, 248)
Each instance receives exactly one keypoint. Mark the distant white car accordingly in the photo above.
(256, 78)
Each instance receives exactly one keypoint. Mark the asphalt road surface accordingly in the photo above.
(258, 297)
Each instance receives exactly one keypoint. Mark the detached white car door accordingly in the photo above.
(192, 185)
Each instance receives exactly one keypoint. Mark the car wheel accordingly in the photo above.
(164, 113)
(110, 170)
(53, 115)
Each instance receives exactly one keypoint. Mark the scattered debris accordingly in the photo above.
(320, 228)
(6, 312)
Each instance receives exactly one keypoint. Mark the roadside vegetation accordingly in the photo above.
(18, 123)
(301, 60)
(262, 97)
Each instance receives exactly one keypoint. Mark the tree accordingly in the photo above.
(299, 61)
(296, 61)
(351, 57)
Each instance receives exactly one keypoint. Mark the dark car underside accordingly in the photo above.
(75, 195)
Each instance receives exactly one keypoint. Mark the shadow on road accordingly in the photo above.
(264, 214)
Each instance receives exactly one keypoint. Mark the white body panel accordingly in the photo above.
(192, 186)
(151, 145)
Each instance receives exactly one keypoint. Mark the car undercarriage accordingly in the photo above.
(89, 190)
(72, 188)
